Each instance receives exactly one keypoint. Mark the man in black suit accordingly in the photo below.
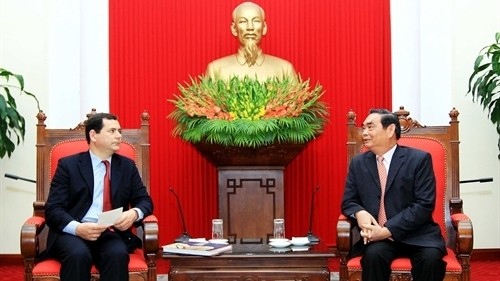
(395, 220)
(76, 199)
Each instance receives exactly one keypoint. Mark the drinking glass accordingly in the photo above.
(217, 229)
(279, 228)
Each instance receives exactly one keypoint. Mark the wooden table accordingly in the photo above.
(253, 262)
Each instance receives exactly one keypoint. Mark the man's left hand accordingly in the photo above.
(126, 220)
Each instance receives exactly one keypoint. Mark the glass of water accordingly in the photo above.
(279, 228)
(217, 229)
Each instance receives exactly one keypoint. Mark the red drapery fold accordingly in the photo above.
(156, 44)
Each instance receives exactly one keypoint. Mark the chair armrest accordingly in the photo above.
(29, 240)
(344, 238)
(464, 233)
(150, 235)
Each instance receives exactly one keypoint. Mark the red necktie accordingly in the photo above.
(382, 174)
(106, 193)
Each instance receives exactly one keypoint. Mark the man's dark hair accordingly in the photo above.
(95, 123)
(387, 118)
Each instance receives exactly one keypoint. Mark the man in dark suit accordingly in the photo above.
(395, 220)
(77, 197)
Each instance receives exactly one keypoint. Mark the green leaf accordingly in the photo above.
(20, 79)
(477, 63)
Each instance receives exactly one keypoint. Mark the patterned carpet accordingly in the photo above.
(488, 270)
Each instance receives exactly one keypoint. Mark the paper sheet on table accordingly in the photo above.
(108, 218)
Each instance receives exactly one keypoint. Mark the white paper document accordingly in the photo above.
(108, 218)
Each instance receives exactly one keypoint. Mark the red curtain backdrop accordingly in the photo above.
(156, 44)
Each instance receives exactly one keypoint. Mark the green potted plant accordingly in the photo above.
(247, 115)
(484, 83)
(12, 124)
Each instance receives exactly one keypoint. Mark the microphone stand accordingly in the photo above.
(184, 237)
(18, 178)
(313, 239)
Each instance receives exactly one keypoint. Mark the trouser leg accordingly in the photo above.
(427, 264)
(75, 257)
(376, 260)
(112, 257)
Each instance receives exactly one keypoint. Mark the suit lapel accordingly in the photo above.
(116, 174)
(372, 168)
(85, 168)
(398, 159)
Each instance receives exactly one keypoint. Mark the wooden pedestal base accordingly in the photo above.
(250, 197)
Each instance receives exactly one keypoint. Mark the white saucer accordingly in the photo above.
(279, 250)
(278, 240)
(218, 241)
(300, 248)
(280, 243)
(299, 241)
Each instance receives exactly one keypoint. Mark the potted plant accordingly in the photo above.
(484, 83)
(247, 116)
(12, 124)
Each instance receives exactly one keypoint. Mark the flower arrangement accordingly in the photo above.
(245, 112)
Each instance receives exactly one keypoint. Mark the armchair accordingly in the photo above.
(442, 142)
(52, 144)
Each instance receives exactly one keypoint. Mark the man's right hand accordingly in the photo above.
(90, 230)
(365, 218)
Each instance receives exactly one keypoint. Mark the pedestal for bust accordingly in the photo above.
(251, 187)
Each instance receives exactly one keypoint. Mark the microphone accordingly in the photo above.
(11, 176)
(477, 180)
(313, 239)
(184, 237)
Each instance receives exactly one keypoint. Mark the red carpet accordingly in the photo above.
(487, 270)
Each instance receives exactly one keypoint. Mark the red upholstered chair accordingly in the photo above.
(53, 144)
(442, 142)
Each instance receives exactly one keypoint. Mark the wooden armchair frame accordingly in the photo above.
(455, 225)
(53, 144)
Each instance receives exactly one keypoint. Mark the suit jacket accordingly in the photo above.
(72, 189)
(410, 195)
